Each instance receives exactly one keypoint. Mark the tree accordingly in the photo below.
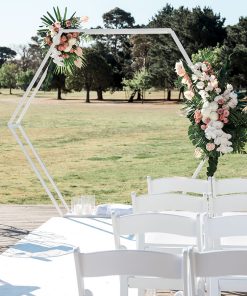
(116, 49)
(118, 19)
(138, 84)
(235, 46)
(141, 46)
(6, 54)
(8, 73)
(96, 75)
(31, 55)
(24, 78)
(196, 29)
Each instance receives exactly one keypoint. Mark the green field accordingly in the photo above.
(103, 148)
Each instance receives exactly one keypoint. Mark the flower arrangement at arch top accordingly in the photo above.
(217, 114)
(67, 52)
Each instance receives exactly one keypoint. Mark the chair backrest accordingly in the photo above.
(168, 202)
(215, 229)
(219, 263)
(228, 195)
(145, 223)
(178, 184)
(128, 263)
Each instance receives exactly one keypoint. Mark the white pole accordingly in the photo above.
(43, 167)
(199, 168)
(18, 140)
(36, 76)
(28, 102)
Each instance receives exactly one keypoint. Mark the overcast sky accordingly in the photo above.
(20, 19)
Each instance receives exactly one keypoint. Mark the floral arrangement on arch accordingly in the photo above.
(67, 52)
(217, 115)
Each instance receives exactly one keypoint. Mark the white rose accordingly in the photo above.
(203, 94)
(205, 112)
(213, 106)
(219, 132)
(213, 116)
(218, 124)
(218, 90)
(194, 77)
(229, 87)
(209, 87)
(232, 103)
(233, 95)
(72, 41)
(56, 39)
(189, 94)
(204, 67)
(200, 85)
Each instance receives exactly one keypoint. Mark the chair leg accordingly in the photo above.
(141, 292)
(213, 287)
(123, 286)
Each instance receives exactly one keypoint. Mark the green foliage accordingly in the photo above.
(141, 80)
(8, 73)
(95, 75)
(235, 46)
(24, 78)
(212, 55)
(6, 54)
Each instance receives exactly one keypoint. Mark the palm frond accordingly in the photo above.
(51, 17)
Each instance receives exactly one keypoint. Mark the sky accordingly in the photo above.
(20, 19)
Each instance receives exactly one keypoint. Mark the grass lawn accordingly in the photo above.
(103, 148)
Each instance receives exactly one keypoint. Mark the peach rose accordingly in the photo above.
(179, 68)
(210, 146)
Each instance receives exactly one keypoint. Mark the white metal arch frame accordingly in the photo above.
(18, 131)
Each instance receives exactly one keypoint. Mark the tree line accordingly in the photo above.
(138, 62)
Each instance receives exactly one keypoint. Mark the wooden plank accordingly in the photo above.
(16, 221)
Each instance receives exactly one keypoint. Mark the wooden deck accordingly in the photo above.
(17, 220)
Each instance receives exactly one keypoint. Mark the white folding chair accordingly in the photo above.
(228, 264)
(222, 233)
(183, 185)
(157, 231)
(168, 202)
(228, 195)
(129, 263)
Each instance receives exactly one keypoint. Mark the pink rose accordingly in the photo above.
(48, 40)
(221, 101)
(198, 116)
(179, 68)
(189, 94)
(57, 25)
(61, 47)
(75, 35)
(225, 120)
(220, 111)
(203, 127)
(78, 51)
(226, 113)
(210, 146)
(78, 63)
(68, 23)
(63, 39)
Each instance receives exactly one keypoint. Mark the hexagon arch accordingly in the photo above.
(18, 131)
